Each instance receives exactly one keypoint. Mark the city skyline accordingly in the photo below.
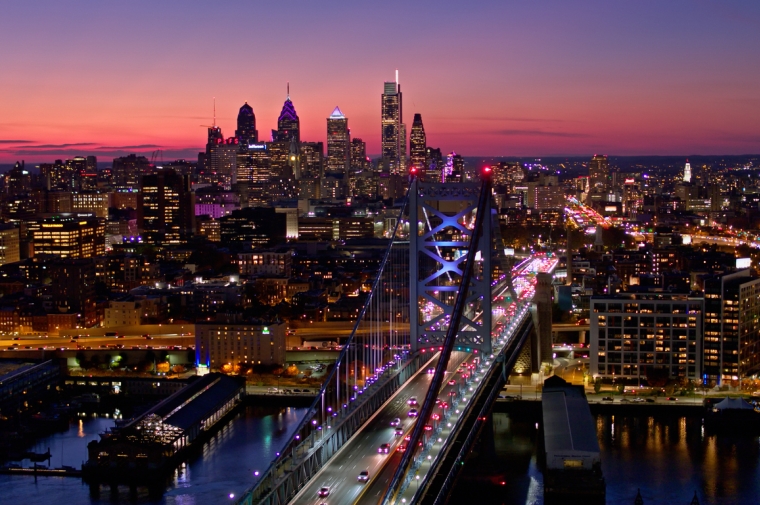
(510, 80)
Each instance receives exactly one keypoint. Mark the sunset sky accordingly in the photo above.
(490, 78)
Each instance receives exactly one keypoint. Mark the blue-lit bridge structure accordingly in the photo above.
(444, 322)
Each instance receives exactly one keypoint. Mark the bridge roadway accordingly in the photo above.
(361, 452)
(341, 473)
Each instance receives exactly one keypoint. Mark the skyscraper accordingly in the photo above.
(246, 125)
(288, 124)
(393, 143)
(166, 212)
(338, 143)
(599, 173)
(418, 147)
(687, 172)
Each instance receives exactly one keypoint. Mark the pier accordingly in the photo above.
(145, 449)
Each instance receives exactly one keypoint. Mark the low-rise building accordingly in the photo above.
(240, 343)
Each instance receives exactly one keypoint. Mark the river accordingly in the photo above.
(667, 457)
(224, 467)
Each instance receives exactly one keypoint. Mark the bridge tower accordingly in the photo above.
(441, 218)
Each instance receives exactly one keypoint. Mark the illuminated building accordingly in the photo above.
(127, 170)
(635, 336)
(94, 202)
(167, 211)
(732, 327)
(68, 236)
(418, 147)
(435, 167)
(687, 172)
(240, 343)
(254, 171)
(265, 263)
(9, 244)
(392, 141)
(338, 143)
(288, 124)
(599, 173)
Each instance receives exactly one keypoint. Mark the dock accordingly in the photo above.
(146, 449)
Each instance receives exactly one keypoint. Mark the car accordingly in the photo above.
(412, 401)
(363, 476)
(428, 427)
(384, 449)
(650, 400)
(452, 382)
(296, 390)
(401, 448)
(396, 422)
(324, 491)
(412, 413)
(273, 390)
(607, 399)
(431, 371)
(671, 399)
(398, 432)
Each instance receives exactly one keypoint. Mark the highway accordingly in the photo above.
(361, 452)
(340, 475)
(9, 344)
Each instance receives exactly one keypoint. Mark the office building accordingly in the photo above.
(72, 289)
(68, 236)
(167, 211)
(338, 143)
(9, 244)
(599, 173)
(288, 124)
(418, 147)
(246, 132)
(127, 170)
(393, 142)
(638, 335)
(732, 327)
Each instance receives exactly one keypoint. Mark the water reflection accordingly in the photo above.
(667, 457)
(224, 465)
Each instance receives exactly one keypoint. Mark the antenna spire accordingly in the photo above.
(396, 77)
(214, 123)
(288, 90)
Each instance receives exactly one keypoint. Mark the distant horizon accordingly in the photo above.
(108, 159)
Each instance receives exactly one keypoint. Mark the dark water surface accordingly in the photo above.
(667, 457)
(225, 464)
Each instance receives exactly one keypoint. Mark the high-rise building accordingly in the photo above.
(167, 211)
(127, 170)
(246, 125)
(732, 327)
(288, 124)
(254, 172)
(68, 236)
(434, 171)
(9, 244)
(391, 132)
(599, 173)
(358, 154)
(639, 335)
(687, 172)
(418, 147)
(338, 143)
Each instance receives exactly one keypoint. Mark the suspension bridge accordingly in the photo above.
(446, 319)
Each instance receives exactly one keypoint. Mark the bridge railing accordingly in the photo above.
(437, 486)
(362, 369)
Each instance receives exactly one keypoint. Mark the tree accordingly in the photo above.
(123, 359)
(597, 385)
